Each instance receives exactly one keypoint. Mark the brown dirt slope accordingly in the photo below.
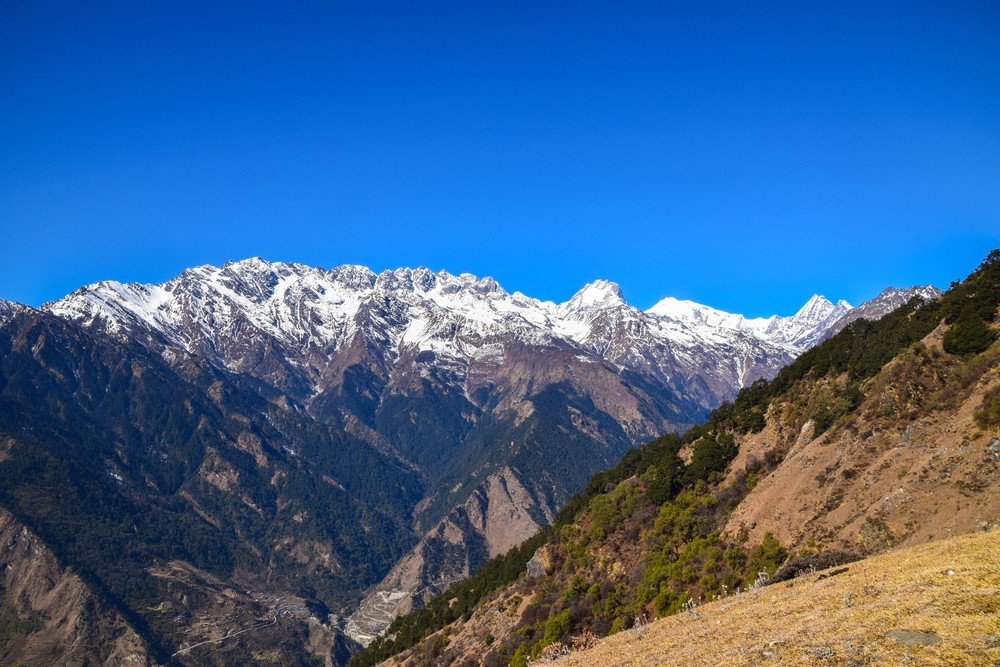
(933, 604)
(47, 614)
(909, 465)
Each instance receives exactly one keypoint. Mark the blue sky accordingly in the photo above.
(744, 155)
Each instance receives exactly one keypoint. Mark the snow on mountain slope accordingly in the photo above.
(887, 301)
(795, 333)
(696, 314)
(311, 313)
(10, 308)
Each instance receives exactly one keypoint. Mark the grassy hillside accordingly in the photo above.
(934, 604)
(657, 533)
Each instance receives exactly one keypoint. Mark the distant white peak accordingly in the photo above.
(253, 278)
(689, 311)
(676, 309)
(481, 286)
(695, 314)
(410, 280)
(251, 264)
(598, 294)
(123, 302)
(196, 272)
(819, 308)
(522, 300)
(893, 297)
(817, 303)
(926, 292)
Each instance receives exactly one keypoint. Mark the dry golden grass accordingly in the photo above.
(882, 611)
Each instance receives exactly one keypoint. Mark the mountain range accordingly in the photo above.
(355, 440)
(882, 438)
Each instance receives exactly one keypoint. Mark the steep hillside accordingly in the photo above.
(909, 464)
(932, 604)
(190, 505)
(887, 434)
(48, 616)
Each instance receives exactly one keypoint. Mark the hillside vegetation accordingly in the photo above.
(884, 435)
(934, 604)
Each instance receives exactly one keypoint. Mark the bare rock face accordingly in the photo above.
(539, 564)
(498, 511)
(54, 618)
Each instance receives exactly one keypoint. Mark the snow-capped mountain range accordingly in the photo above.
(303, 306)
(311, 311)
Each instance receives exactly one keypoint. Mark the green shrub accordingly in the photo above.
(989, 412)
(555, 628)
(969, 335)
(766, 557)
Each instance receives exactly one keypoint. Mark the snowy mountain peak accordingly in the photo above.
(888, 300)
(795, 333)
(818, 309)
(895, 294)
(10, 308)
(695, 314)
(598, 294)
(815, 302)
(353, 276)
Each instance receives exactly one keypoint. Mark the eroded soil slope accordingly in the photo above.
(47, 614)
(911, 464)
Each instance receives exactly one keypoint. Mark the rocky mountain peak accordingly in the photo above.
(889, 299)
(818, 309)
(9, 308)
(482, 286)
(902, 295)
(599, 294)
(353, 276)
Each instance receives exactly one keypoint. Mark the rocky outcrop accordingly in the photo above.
(540, 564)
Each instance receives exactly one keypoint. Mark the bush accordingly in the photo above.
(989, 412)
(766, 557)
(556, 628)
(969, 335)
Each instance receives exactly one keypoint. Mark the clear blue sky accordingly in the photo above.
(744, 155)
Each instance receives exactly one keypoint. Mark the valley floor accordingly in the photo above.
(933, 604)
